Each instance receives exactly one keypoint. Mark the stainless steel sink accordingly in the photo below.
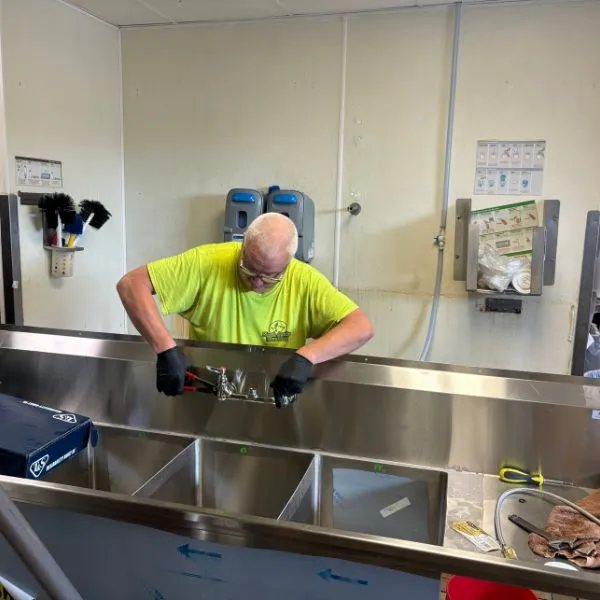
(237, 478)
(380, 499)
(341, 493)
(122, 461)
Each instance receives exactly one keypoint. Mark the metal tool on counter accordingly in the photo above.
(214, 380)
(554, 543)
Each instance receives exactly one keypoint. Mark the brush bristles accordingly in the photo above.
(55, 205)
(100, 212)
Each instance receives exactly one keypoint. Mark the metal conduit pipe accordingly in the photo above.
(30, 549)
(441, 235)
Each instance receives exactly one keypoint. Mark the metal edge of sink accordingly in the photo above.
(254, 532)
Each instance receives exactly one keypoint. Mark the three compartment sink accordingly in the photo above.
(341, 493)
(349, 494)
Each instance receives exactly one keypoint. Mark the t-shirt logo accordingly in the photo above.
(278, 332)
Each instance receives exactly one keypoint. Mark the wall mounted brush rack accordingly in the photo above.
(61, 256)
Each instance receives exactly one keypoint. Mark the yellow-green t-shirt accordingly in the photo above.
(202, 285)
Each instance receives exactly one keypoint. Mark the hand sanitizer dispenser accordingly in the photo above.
(301, 210)
(241, 208)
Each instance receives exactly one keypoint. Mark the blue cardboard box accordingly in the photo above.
(35, 439)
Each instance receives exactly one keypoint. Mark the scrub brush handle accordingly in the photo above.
(59, 232)
(73, 239)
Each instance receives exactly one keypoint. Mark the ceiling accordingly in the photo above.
(124, 13)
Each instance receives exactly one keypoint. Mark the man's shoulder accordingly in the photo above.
(224, 252)
(306, 276)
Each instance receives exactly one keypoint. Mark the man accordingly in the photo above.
(253, 293)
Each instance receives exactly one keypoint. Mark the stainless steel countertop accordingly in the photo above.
(473, 497)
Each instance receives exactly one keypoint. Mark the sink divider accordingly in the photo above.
(178, 462)
(310, 481)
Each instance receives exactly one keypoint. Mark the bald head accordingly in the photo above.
(270, 243)
(271, 236)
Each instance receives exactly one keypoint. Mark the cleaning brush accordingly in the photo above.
(58, 209)
(74, 230)
(58, 205)
(46, 205)
(94, 214)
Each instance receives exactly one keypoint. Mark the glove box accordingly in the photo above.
(35, 439)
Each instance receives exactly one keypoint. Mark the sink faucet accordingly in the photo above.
(226, 389)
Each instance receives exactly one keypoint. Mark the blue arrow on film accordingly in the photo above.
(188, 552)
(329, 575)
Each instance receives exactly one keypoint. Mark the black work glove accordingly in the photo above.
(291, 378)
(171, 366)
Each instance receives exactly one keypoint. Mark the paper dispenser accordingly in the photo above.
(241, 208)
(301, 210)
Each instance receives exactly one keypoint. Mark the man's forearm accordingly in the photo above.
(135, 291)
(352, 333)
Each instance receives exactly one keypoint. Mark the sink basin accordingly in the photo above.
(121, 462)
(237, 478)
(379, 499)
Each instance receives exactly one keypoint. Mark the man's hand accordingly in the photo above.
(170, 372)
(291, 378)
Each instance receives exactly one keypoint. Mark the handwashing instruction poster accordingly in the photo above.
(514, 168)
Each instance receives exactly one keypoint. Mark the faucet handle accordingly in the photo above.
(239, 380)
(218, 370)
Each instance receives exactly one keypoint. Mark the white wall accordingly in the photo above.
(544, 84)
(62, 89)
(210, 108)
(526, 72)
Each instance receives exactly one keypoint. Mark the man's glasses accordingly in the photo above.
(264, 278)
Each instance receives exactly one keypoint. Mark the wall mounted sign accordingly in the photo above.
(510, 168)
(38, 172)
